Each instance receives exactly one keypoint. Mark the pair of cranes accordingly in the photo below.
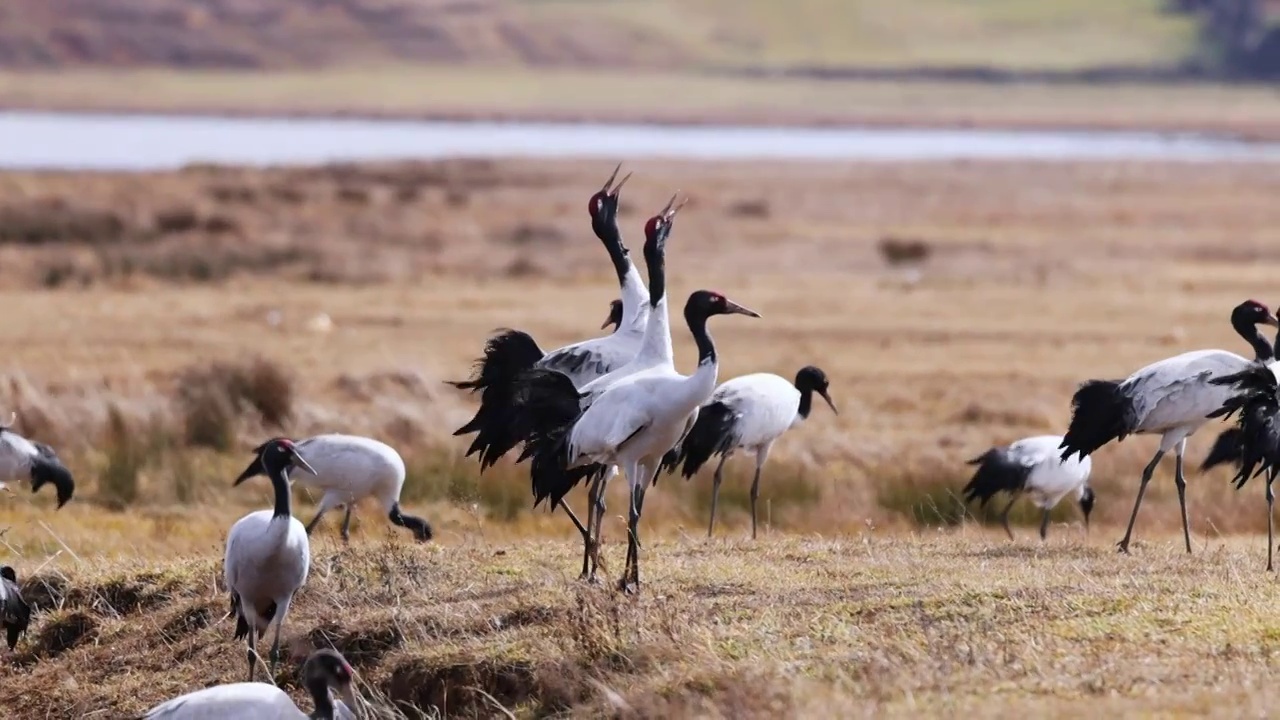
(1172, 398)
(587, 410)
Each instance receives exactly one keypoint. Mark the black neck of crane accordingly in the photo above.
(611, 236)
(696, 317)
(1263, 351)
(806, 402)
(655, 260)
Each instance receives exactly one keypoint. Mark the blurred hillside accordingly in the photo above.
(653, 34)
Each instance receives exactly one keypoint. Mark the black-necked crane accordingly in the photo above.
(1226, 447)
(1171, 398)
(749, 413)
(509, 352)
(348, 469)
(268, 554)
(1031, 467)
(15, 614)
(655, 353)
(22, 459)
(324, 670)
(1255, 401)
(631, 424)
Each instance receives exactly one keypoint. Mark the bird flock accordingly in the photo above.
(617, 404)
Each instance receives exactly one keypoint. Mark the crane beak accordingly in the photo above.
(733, 308)
(1271, 320)
(830, 402)
(609, 183)
(301, 462)
(254, 469)
(348, 697)
(672, 208)
(607, 322)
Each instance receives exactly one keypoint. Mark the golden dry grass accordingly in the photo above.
(867, 625)
(1033, 277)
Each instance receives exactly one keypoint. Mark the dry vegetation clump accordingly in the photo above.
(875, 624)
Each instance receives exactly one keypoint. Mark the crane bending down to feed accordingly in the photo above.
(1256, 404)
(1226, 447)
(748, 412)
(1172, 398)
(15, 614)
(268, 554)
(21, 459)
(1031, 467)
(323, 670)
(350, 468)
(655, 354)
(632, 424)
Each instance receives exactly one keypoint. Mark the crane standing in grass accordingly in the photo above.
(749, 413)
(1172, 398)
(1031, 467)
(323, 670)
(268, 554)
(348, 469)
(1226, 447)
(631, 424)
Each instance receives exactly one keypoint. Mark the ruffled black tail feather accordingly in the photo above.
(546, 406)
(1256, 407)
(507, 356)
(1226, 449)
(1100, 412)
(997, 472)
(714, 433)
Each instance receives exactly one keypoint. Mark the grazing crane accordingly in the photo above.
(655, 354)
(15, 614)
(323, 670)
(1226, 447)
(631, 424)
(268, 553)
(21, 458)
(1171, 398)
(748, 412)
(1031, 467)
(511, 352)
(1256, 402)
(350, 468)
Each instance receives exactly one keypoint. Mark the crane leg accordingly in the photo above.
(1123, 545)
(755, 495)
(715, 492)
(597, 514)
(252, 641)
(1004, 516)
(346, 526)
(275, 642)
(1044, 524)
(633, 546)
(1181, 482)
(1271, 499)
(315, 520)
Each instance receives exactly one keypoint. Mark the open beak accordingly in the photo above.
(734, 308)
(830, 403)
(301, 462)
(672, 208)
(254, 469)
(609, 183)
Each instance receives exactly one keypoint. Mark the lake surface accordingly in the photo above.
(145, 142)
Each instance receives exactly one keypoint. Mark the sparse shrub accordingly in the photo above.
(219, 224)
(353, 195)
(233, 194)
(212, 398)
(176, 220)
(757, 208)
(904, 251)
(120, 479)
(49, 221)
(927, 492)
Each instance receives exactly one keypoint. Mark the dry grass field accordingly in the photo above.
(159, 325)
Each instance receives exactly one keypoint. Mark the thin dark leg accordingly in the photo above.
(755, 495)
(587, 539)
(1271, 499)
(346, 526)
(715, 492)
(315, 521)
(597, 513)
(633, 546)
(252, 641)
(1044, 524)
(1181, 482)
(1004, 516)
(1123, 545)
